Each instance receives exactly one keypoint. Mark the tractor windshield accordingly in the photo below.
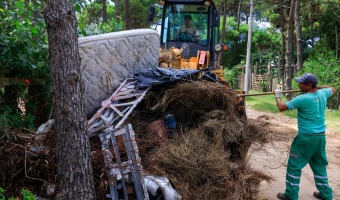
(185, 23)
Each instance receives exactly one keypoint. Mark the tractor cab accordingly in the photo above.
(189, 29)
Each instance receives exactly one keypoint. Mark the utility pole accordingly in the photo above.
(250, 29)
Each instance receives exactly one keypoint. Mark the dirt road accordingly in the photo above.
(272, 157)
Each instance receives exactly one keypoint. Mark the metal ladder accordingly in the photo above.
(108, 120)
(119, 170)
(117, 107)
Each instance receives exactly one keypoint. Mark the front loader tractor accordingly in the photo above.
(189, 35)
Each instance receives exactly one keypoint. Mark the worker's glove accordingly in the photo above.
(277, 93)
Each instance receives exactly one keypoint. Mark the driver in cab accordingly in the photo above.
(188, 29)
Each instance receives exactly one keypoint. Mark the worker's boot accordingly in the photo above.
(317, 195)
(282, 196)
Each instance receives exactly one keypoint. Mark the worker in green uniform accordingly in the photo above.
(308, 147)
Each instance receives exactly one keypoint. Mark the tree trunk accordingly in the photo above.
(312, 18)
(283, 30)
(117, 11)
(279, 68)
(239, 14)
(127, 15)
(224, 22)
(289, 50)
(270, 82)
(74, 169)
(299, 58)
(104, 11)
(336, 42)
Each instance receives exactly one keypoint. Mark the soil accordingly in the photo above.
(271, 158)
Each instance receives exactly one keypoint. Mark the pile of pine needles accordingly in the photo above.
(205, 157)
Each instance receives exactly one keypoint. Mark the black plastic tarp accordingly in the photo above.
(157, 76)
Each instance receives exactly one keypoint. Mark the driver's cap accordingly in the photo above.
(187, 17)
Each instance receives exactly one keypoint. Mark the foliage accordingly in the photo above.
(139, 15)
(2, 196)
(90, 20)
(23, 54)
(26, 195)
(231, 76)
(236, 41)
(265, 44)
(95, 29)
(326, 67)
(23, 39)
(328, 19)
(92, 13)
(263, 85)
(11, 118)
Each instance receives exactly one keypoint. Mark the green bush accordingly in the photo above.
(264, 85)
(25, 194)
(326, 67)
(10, 119)
(231, 76)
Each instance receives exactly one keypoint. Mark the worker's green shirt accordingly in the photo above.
(311, 110)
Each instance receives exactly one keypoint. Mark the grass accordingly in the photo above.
(266, 103)
(333, 120)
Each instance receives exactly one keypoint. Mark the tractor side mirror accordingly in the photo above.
(151, 13)
(216, 18)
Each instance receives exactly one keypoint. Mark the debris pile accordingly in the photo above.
(189, 132)
(27, 161)
(205, 155)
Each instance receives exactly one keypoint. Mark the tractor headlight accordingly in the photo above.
(218, 47)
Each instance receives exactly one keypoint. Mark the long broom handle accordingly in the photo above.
(266, 93)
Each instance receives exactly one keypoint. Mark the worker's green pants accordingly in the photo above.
(308, 148)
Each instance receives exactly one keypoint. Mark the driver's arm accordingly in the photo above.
(196, 34)
(180, 30)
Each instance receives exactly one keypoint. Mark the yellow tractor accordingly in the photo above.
(189, 35)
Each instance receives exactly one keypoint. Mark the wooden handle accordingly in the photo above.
(266, 93)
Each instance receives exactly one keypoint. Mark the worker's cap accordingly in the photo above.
(187, 17)
(307, 78)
